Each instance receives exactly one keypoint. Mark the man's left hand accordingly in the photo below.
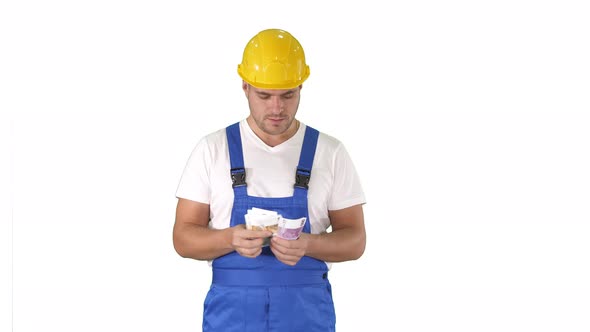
(289, 251)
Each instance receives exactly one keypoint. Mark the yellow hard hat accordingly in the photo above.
(273, 59)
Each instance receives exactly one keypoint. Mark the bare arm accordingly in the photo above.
(345, 242)
(193, 238)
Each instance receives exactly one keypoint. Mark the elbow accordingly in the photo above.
(181, 252)
(360, 251)
(179, 246)
(359, 247)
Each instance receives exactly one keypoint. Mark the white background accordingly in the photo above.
(468, 122)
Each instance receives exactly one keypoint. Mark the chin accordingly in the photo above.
(275, 131)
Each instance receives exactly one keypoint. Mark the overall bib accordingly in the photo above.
(262, 293)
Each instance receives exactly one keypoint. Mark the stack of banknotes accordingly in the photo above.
(261, 219)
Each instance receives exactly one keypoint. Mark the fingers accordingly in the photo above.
(287, 251)
(288, 244)
(248, 247)
(286, 258)
(242, 232)
(248, 243)
(285, 247)
(257, 234)
(251, 253)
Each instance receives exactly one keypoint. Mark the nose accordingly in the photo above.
(276, 104)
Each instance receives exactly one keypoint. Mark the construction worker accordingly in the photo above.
(270, 162)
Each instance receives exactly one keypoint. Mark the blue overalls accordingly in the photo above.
(262, 293)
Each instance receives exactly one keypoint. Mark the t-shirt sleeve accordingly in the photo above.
(194, 182)
(347, 190)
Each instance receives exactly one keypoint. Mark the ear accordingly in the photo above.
(245, 87)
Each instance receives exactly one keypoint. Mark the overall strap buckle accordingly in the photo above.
(238, 177)
(302, 177)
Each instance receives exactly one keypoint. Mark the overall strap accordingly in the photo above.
(236, 158)
(303, 173)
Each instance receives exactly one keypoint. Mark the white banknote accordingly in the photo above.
(262, 219)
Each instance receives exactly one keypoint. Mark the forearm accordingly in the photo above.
(337, 246)
(202, 243)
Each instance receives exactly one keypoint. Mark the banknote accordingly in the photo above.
(260, 219)
(285, 228)
(290, 229)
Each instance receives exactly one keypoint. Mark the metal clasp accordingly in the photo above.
(302, 177)
(238, 177)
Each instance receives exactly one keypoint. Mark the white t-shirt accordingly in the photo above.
(270, 172)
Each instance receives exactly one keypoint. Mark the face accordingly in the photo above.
(273, 111)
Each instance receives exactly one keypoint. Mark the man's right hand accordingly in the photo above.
(248, 243)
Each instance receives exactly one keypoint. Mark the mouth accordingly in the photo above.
(276, 120)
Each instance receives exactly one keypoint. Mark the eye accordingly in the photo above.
(288, 95)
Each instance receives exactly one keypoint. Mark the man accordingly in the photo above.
(274, 163)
